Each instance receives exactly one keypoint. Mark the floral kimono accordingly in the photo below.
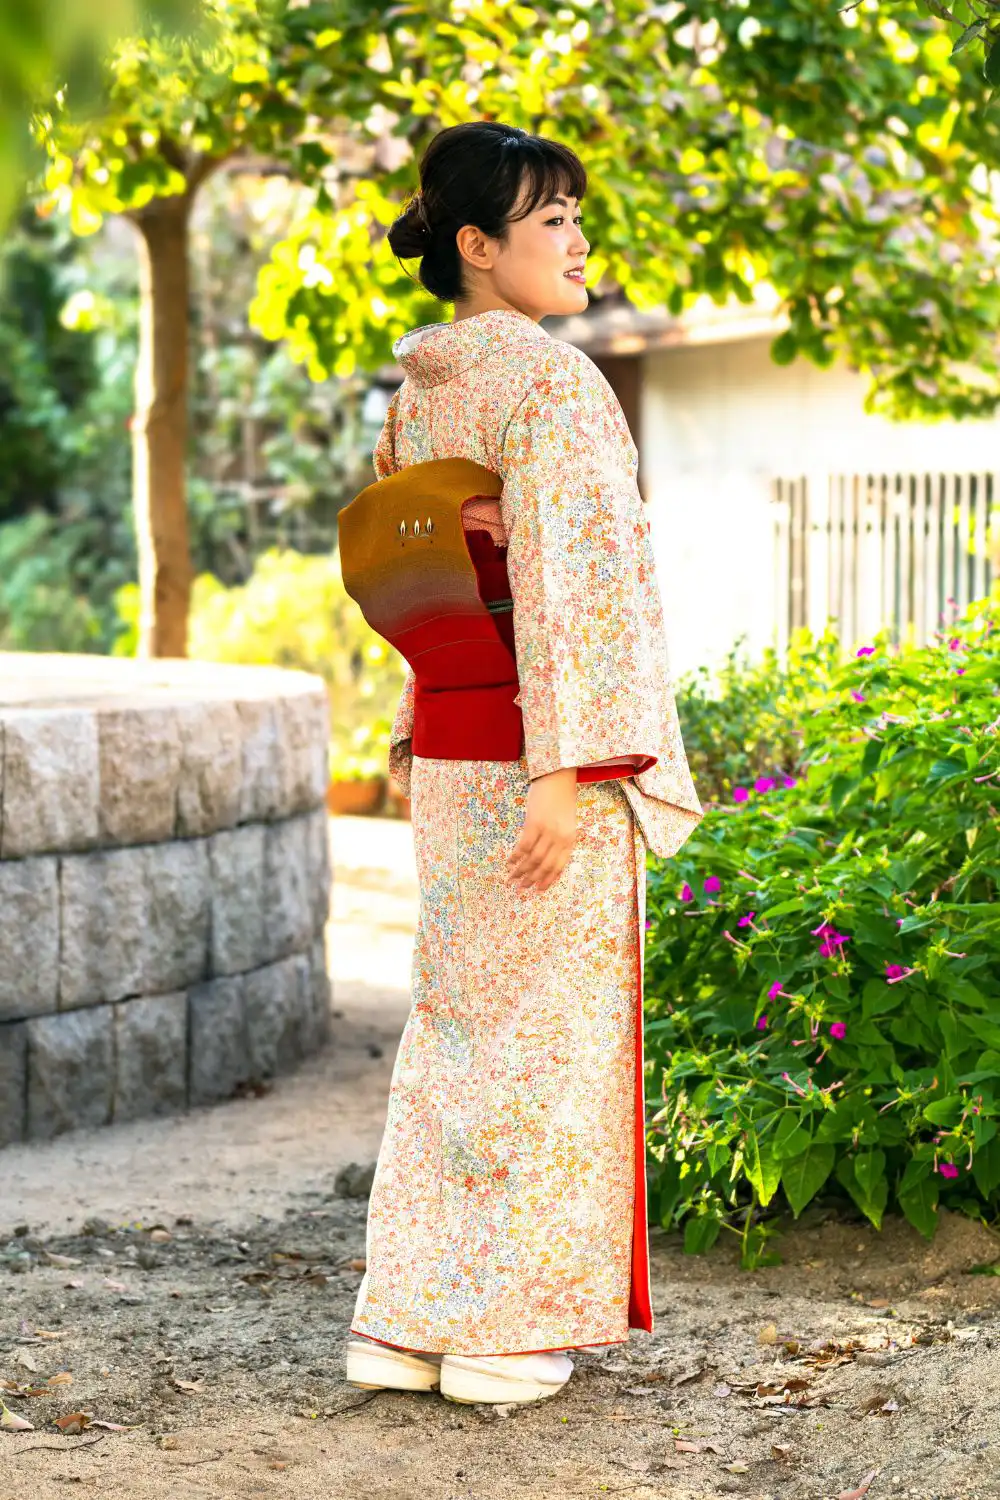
(508, 1209)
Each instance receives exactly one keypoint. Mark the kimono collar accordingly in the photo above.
(440, 351)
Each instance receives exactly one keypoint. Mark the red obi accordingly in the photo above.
(440, 595)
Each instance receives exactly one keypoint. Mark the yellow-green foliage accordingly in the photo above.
(294, 612)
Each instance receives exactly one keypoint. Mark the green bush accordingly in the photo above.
(758, 730)
(823, 959)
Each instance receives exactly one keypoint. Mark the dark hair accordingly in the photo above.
(473, 174)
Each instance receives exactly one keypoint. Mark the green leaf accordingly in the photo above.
(869, 1169)
(804, 1175)
(785, 348)
(986, 1167)
(762, 1171)
(991, 67)
(920, 1206)
(969, 35)
(700, 1233)
(864, 1178)
(944, 1111)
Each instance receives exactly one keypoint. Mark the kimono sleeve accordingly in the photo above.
(401, 734)
(588, 622)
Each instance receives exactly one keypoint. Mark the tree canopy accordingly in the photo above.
(842, 156)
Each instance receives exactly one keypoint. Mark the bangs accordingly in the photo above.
(549, 170)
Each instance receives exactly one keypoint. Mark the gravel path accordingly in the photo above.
(195, 1277)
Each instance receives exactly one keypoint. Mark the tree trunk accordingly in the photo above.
(159, 428)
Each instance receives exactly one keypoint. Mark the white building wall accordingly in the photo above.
(719, 422)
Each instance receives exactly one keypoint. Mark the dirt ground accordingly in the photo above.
(195, 1278)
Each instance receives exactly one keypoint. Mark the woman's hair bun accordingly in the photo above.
(410, 234)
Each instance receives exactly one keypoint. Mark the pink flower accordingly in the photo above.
(791, 781)
(959, 671)
(865, 651)
(761, 1023)
(838, 1030)
(948, 1169)
(955, 644)
(774, 990)
(688, 895)
(712, 884)
(740, 794)
(858, 697)
(822, 930)
(763, 783)
(893, 971)
(747, 920)
(829, 948)
(648, 923)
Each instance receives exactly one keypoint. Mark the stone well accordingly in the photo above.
(164, 884)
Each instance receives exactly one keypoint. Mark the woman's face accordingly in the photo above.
(528, 273)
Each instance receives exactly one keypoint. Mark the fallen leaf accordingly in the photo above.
(781, 1451)
(74, 1286)
(190, 1386)
(11, 1422)
(768, 1335)
(22, 1357)
(358, 1265)
(73, 1424)
(48, 1333)
(63, 1377)
(276, 1464)
(115, 1286)
(737, 1468)
(64, 1262)
(687, 1375)
(160, 1236)
(117, 1426)
(169, 1442)
(703, 1445)
(795, 1384)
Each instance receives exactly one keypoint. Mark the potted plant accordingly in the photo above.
(357, 769)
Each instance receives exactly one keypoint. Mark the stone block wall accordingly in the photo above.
(164, 885)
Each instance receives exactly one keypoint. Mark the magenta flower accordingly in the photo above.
(747, 920)
(866, 651)
(761, 1023)
(763, 783)
(774, 990)
(948, 1169)
(829, 946)
(649, 923)
(858, 697)
(688, 895)
(712, 884)
(838, 1030)
(955, 644)
(959, 671)
(740, 794)
(791, 781)
(893, 971)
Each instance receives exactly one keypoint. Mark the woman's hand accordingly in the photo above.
(546, 841)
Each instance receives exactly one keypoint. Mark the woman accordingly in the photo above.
(507, 1217)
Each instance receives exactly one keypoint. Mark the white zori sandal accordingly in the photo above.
(503, 1378)
(377, 1367)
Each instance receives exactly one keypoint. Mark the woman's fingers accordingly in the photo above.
(539, 863)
